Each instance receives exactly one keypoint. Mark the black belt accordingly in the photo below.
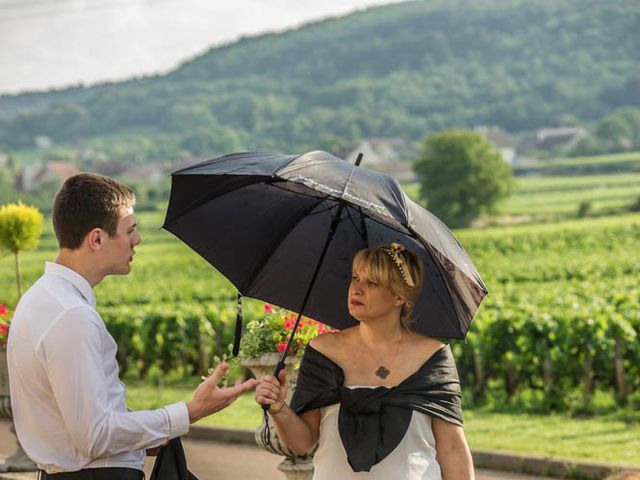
(107, 473)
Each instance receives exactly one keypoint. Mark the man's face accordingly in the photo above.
(119, 249)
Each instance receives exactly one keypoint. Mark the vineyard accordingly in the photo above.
(563, 314)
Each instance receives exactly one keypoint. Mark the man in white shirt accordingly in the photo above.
(68, 403)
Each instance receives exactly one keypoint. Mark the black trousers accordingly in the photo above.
(108, 473)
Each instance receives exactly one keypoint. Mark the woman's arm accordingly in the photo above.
(452, 450)
(298, 432)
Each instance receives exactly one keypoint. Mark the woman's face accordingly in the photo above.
(368, 300)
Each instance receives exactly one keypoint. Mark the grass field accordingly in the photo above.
(597, 164)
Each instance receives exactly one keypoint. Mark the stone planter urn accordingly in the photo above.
(19, 461)
(293, 467)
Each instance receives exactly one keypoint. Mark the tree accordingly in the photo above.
(20, 229)
(7, 185)
(461, 176)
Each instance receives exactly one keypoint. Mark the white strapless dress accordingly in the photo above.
(413, 459)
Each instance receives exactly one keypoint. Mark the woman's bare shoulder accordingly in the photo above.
(331, 343)
(422, 344)
(425, 341)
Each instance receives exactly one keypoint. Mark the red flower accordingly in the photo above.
(282, 345)
(267, 307)
(322, 328)
(289, 322)
(3, 309)
(4, 329)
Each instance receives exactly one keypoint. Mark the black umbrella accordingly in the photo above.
(285, 228)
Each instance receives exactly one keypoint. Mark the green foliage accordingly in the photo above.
(584, 209)
(270, 333)
(462, 176)
(7, 188)
(20, 227)
(397, 70)
(618, 131)
(561, 296)
(164, 338)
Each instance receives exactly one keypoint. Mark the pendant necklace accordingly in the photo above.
(382, 371)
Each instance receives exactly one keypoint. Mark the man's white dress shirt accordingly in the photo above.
(68, 403)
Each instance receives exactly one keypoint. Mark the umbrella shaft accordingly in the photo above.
(332, 230)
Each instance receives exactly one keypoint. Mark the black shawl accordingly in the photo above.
(372, 421)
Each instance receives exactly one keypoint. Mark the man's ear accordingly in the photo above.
(94, 239)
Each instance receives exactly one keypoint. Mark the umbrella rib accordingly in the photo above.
(277, 242)
(363, 229)
(396, 229)
(280, 183)
(365, 232)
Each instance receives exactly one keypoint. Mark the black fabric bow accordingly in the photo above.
(373, 421)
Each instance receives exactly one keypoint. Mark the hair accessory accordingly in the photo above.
(394, 251)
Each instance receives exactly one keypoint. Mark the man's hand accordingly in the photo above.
(209, 398)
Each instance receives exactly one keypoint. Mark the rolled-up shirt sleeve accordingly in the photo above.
(72, 352)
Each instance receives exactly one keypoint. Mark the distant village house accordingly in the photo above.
(500, 140)
(393, 156)
(33, 176)
(551, 139)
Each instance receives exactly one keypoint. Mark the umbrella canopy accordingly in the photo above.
(262, 220)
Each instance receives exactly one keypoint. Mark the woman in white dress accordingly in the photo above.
(380, 400)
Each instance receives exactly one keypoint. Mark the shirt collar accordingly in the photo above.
(74, 278)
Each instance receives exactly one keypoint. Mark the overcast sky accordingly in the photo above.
(57, 43)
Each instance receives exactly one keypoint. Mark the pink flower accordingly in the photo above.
(282, 345)
(267, 307)
(3, 309)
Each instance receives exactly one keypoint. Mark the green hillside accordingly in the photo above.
(399, 70)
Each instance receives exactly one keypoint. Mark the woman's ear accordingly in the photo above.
(399, 300)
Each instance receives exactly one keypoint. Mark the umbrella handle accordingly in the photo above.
(279, 367)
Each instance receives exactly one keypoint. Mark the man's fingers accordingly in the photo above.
(218, 373)
(240, 388)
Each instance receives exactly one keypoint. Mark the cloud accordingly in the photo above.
(64, 42)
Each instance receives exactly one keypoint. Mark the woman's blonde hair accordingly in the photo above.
(396, 268)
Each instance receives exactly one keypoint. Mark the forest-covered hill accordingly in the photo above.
(401, 70)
